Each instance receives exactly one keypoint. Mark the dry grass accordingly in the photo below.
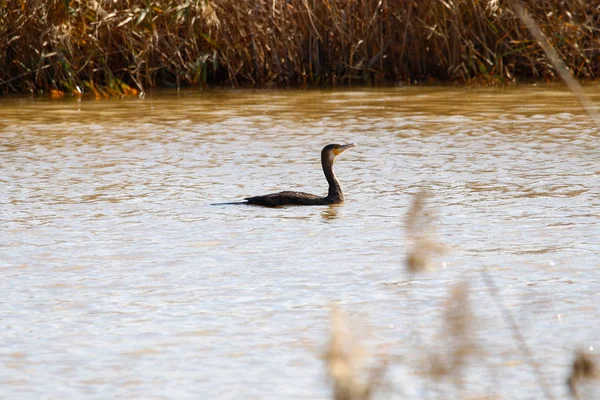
(112, 48)
(456, 336)
(346, 362)
(518, 337)
(584, 370)
(420, 231)
(449, 358)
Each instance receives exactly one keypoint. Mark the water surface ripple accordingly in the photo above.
(121, 280)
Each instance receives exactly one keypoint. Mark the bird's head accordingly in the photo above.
(331, 151)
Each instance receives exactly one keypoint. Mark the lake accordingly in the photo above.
(121, 279)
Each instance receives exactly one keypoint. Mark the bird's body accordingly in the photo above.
(289, 198)
(334, 196)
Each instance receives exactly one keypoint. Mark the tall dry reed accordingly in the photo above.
(346, 363)
(103, 45)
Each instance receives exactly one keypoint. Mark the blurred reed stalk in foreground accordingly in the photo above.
(420, 231)
(114, 48)
(520, 340)
(346, 362)
(584, 373)
(451, 358)
(448, 359)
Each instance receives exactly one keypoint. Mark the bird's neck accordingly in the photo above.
(335, 190)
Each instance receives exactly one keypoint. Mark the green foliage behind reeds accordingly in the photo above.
(109, 47)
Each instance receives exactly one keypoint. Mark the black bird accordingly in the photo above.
(334, 196)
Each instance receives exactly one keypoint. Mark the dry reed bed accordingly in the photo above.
(118, 47)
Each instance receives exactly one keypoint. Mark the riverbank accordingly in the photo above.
(127, 47)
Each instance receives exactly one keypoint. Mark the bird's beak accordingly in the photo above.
(344, 148)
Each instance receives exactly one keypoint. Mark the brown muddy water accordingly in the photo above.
(119, 279)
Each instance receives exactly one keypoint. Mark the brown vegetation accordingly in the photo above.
(109, 47)
(584, 369)
(346, 363)
(420, 232)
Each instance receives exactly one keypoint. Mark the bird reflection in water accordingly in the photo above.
(330, 213)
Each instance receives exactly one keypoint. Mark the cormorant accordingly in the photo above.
(334, 196)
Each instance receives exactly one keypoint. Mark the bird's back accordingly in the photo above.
(288, 198)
